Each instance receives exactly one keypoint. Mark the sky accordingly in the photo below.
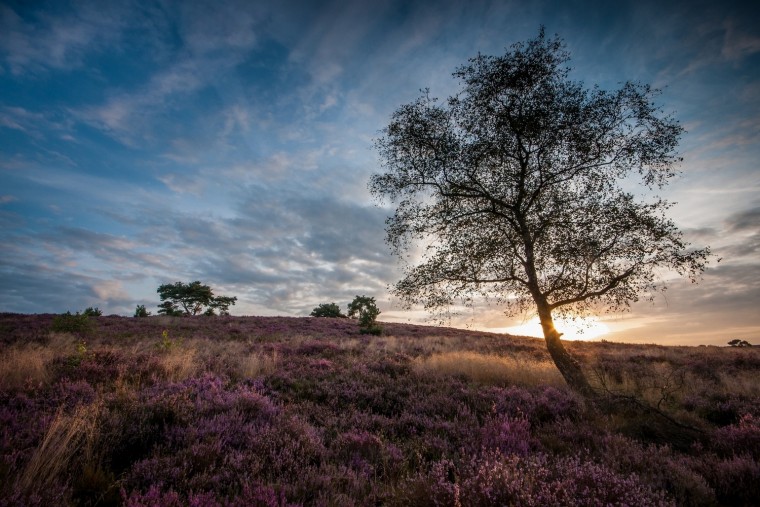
(144, 143)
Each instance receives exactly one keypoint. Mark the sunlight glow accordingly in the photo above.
(580, 329)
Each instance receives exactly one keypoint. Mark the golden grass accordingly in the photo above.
(67, 435)
(491, 369)
(179, 363)
(254, 365)
(25, 364)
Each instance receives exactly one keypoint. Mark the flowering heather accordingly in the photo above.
(269, 411)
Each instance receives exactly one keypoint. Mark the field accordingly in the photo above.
(275, 411)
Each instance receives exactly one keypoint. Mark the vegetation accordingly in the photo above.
(365, 309)
(739, 343)
(78, 323)
(192, 298)
(92, 312)
(275, 411)
(140, 311)
(515, 186)
(327, 310)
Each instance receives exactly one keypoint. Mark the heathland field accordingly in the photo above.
(274, 411)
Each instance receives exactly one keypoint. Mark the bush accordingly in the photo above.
(92, 312)
(327, 310)
(366, 310)
(68, 323)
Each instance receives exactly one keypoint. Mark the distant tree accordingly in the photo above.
(140, 311)
(514, 187)
(365, 309)
(92, 312)
(739, 343)
(327, 310)
(191, 299)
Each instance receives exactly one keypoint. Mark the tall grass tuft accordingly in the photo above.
(66, 436)
(24, 365)
(255, 365)
(491, 369)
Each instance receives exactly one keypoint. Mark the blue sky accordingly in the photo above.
(231, 142)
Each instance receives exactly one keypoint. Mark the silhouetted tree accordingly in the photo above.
(513, 187)
(191, 299)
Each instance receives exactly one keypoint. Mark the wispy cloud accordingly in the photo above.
(41, 41)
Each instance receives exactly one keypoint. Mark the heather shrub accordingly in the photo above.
(736, 480)
(536, 480)
(743, 438)
(507, 435)
(659, 466)
(276, 411)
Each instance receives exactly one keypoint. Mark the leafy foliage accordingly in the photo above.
(514, 186)
(739, 343)
(140, 311)
(192, 299)
(365, 309)
(92, 312)
(77, 323)
(327, 310)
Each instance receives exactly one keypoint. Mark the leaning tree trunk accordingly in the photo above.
(567, 365)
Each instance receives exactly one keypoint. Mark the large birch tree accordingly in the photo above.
(514, 189)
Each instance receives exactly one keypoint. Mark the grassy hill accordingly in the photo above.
(275, 411)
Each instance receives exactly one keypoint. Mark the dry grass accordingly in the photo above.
(67, 435)
(180, 363)
(23, 365)
(491, 369)
(254, 365)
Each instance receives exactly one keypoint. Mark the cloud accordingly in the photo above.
(737, 43)
(35, 40)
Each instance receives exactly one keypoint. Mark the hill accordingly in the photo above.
(276, 411)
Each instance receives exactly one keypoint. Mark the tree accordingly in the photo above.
(92, 312)
(191, 299)
(513, 186)
(140, 311)
(365, 309)
(736, 342)
(327, 310)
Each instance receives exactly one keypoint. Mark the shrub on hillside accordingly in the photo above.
(327, 310)
(77, 323)
(92, 312)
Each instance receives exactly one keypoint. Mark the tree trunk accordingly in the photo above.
(567, 365)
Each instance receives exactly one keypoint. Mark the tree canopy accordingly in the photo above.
(192, 299)
(365, 309)
(514, 189)
(327, 310)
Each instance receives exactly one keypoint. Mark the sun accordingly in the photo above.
(579, 329)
